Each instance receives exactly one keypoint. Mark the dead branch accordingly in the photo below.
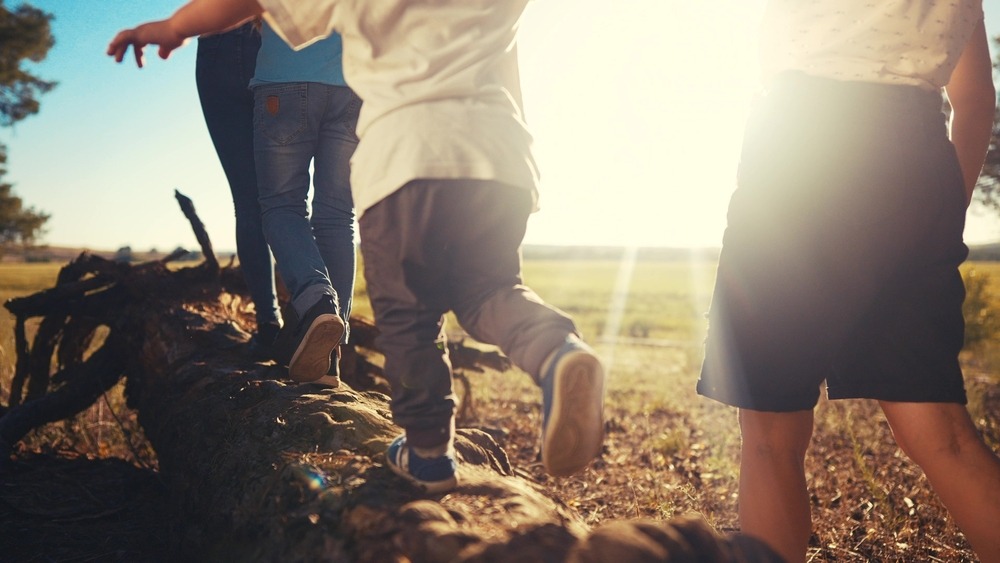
(187, 206)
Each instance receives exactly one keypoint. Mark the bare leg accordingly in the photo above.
(942, 440)
(773, 503)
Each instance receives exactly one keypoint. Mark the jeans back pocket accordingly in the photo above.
(280, 111)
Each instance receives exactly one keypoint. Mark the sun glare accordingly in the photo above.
(637, 111)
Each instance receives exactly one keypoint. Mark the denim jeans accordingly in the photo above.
(223, 70)
(297, 123)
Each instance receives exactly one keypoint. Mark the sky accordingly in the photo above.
(637, 114)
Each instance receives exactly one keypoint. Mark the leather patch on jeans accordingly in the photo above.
(272, 105)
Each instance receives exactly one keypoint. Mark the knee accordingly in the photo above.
(928, 433)
(924, 449)
(774, 435)
(334, 212)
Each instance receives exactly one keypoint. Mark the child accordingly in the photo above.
(444, 181)
(224, 67)
(840, 259)
(305, 113)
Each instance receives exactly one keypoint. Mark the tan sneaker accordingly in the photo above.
(572, 408)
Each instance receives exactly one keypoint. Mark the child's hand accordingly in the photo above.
(154, 33)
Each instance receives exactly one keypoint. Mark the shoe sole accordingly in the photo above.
(326, 381)
(311, 360)
(575, 430)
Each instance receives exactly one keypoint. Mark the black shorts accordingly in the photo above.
(840, 258)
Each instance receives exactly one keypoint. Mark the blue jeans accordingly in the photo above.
(297, 123)
(223, 70)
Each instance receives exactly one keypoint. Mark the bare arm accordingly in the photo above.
(194, 18)
(973, 101)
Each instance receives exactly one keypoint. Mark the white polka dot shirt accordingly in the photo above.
(911, 42)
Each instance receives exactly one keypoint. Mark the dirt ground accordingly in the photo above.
(869, 502)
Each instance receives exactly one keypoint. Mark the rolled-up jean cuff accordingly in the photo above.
(430, 436)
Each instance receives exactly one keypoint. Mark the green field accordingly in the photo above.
(639, 307)
(18, 280)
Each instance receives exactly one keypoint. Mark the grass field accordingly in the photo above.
(18, 280)
(668, 451)
(646, 318)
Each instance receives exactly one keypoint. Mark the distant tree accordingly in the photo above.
(25, 35)
(124, 254)
(988, 189)
(19, 225)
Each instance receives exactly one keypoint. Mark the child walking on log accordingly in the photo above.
(444, 181)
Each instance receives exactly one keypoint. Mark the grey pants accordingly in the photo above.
(440, 245)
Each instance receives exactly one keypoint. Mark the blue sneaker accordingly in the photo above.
(435, 475)
(572, 408)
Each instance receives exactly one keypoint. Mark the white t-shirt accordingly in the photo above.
(912, 42)
(439, 82)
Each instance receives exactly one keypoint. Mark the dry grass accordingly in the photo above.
(668, 451)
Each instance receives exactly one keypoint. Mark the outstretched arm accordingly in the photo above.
(973, 101)
(194, 18)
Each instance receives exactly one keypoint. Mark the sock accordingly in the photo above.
(547, 364)
(429, 453)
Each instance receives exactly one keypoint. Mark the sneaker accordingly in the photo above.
(261, 345)
(314, 340)
(435, 475)
(572, 408)
(332, 377)
(326, 381)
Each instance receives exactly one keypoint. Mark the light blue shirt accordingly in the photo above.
(319, 62)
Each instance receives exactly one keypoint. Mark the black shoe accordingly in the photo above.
(332, 377)
(334, 370)
(261, 345)
(314, 340)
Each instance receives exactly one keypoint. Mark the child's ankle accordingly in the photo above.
(432, 442)
(554, 355)
(432, 452)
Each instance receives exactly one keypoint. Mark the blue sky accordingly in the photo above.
(637, 114)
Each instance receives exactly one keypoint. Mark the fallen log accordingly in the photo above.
(262, 469)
